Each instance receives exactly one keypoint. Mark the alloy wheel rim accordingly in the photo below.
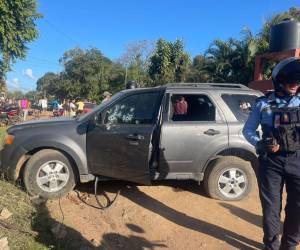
(52, 176)
(232, 183)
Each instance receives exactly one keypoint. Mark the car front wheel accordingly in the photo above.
(229, 178)
(49, 174)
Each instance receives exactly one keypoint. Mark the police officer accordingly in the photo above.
(278, 113)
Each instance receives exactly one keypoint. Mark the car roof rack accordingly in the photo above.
(207, 85)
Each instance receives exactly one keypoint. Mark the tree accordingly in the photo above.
(233, 60)
(169, 62)
(49, 84)
(33, 95)
(17, 28)
(198, 71)
(3, 88)
(136, 60)
(116, 77)
(86, 73)
(17, 94)
(230, 61)
(294, 13)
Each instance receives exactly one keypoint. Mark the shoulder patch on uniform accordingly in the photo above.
(266, 109)
(258, 103)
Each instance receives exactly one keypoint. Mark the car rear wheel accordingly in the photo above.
(49, 174)
(229, 178)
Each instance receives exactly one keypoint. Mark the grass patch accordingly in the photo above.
(2, 134)
(25, 216)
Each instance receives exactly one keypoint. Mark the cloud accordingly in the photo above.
(29, 73)
(15, 81)
(13, 84)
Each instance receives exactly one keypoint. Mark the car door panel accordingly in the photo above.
(185, 146)
(118, 146)
(110, 157)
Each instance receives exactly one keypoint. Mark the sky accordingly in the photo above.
(110, 25)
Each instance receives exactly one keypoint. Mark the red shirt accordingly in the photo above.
(180, 108)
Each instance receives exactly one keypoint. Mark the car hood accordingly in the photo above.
(60, 121)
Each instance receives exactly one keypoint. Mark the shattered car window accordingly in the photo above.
(134, 109)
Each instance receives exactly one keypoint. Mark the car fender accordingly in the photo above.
(202, 162)
(62, 143)
(225, 147)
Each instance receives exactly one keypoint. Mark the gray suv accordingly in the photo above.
(176, 131)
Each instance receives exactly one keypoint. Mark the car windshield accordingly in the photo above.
(97, 107)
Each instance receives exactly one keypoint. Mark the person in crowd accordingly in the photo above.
(66, 107)
(106, 96)
(80, 106)
(72, 108)
(25, 107)
(279, 154)
(55, 104)
(44, 104)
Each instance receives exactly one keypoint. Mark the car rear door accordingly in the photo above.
(119, 145)
(238, 107)
(188, 140)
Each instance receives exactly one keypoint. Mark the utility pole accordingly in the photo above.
(125, 80)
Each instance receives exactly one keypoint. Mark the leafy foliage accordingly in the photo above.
(169, 63)
(86, 74)
(17, 28)
(135, 60)
(233, 60)
(17, 94)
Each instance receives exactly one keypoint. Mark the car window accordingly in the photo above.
(189, 107)
(240, 105)
(134, 109)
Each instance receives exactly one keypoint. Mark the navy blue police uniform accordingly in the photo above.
(279, 118)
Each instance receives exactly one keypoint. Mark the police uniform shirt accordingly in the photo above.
(262, 114)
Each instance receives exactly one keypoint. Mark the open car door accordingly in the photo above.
(119, 143)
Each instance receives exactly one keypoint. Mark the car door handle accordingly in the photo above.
(212, 132)
(135, 137)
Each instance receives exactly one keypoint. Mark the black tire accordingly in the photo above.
(32, 169)
(220, 167)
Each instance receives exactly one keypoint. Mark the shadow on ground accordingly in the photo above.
(132, 242)
(132, 192)
(63, 237)
(66, 238)
(245, 215)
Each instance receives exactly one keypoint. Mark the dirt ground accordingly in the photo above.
(172, 215)
(168, 215)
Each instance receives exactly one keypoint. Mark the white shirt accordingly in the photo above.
(44, 103)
